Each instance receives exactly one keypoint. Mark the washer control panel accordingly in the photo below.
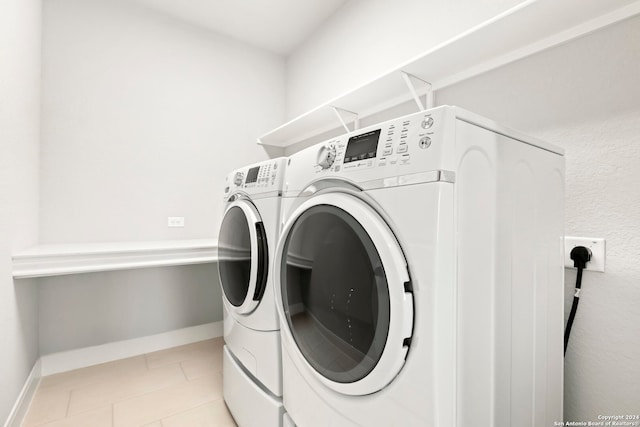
(396, 143)
(261, 177)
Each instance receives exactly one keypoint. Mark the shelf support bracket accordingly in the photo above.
(415, 85)
(342, 113)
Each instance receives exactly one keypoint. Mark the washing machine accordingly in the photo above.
(420, 276)
(252, 373)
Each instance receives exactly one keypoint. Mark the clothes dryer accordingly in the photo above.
(421, 276)
(252, 373)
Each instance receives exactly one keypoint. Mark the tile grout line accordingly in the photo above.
(135, 396)
(166, 387)
(196, 407)
(69, 387)
(66, 413)
(189, 409)
(183, 372)
(184, 380)
(170, 385)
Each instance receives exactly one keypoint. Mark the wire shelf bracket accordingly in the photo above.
(346, 116)
(420, 88)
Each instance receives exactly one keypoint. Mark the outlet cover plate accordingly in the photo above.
(175, 221)
(597, 247)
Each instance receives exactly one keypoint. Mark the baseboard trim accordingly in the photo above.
(24, 398)
(83, 357)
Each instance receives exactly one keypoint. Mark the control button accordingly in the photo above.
(402, 148)
(326, 156)
(425, 142)
(404, 159)
(427, 123)
(387, 151)
(237, 179)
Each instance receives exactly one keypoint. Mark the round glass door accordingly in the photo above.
(335, 294)
(242, 256)
(341, 296)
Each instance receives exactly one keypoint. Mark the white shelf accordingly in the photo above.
(53, 260)
(531, 27)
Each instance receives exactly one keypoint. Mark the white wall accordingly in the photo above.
(584, 97)
(367, 38)
(20, 47)
(83, 310)
(143, 116)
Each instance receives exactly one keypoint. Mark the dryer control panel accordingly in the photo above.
(263, 177)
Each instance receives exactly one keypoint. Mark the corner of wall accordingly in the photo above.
(25, 397)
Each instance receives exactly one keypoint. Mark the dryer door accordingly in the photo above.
(242, 256)
(343, 298)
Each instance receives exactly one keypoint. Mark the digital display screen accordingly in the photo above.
(252, 175)
(362, 147)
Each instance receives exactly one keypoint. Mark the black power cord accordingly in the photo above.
(580, 256)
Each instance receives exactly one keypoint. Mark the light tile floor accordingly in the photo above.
(180, 386)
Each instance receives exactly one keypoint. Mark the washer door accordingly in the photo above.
(342, 296)
(243, 256)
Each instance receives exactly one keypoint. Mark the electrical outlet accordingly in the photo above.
(175, 221)
(597, 247)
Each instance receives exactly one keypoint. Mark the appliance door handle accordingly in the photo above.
(263, 262)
